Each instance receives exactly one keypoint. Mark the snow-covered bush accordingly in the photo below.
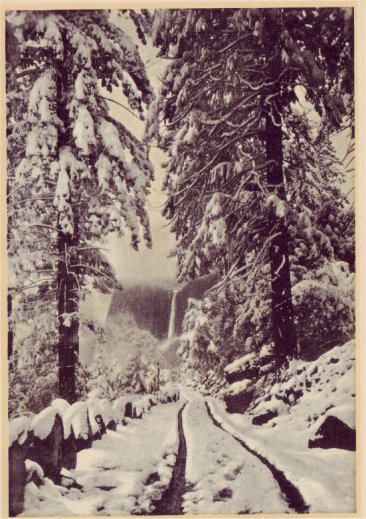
(324, 309)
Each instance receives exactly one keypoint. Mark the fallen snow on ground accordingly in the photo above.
(309, 392)
(222, 477)
(121, 474)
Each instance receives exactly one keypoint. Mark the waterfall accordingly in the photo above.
(171, 329)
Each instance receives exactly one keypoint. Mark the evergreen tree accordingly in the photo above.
(234, 77)
(75, 173)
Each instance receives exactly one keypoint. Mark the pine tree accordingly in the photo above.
(233, 79)
(75, 173)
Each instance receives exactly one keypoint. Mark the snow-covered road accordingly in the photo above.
(152, 466)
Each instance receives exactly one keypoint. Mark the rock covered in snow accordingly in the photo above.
(119, 407)
(242, 368)
(75, 421)
(334, 434)
(48, 442)
(100, 412)
(243, 374)
(316, 391)
(43, 423)
(34, 472)
(239, 396)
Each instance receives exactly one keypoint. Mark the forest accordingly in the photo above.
(243, 120)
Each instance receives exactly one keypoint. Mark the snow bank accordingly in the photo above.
(161, 470)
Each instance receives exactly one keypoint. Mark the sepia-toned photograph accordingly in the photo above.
(180, 197)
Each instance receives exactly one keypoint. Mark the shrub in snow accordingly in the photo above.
(323, 298)
(33, 382)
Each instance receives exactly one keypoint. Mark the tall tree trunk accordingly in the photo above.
(67, 277)
(284, 333)
(68, 307)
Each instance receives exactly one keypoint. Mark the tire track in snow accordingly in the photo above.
(171, 502)
(288, 489)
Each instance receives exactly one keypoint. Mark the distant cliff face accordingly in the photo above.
(151, 305)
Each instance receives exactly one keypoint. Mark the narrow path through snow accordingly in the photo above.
(291, 493)
(179, 459)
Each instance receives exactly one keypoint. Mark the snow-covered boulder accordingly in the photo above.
(243, 375)
(169, 393)
(334, 434)
(47, 446)
(61, 405)
(122, 408)
(238, 396)
(34, 472)
(141, 406)
(77, 429)
(42, 424)
(245, 367)
(19, 429)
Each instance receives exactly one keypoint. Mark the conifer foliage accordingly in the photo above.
(240, 193)
(75, 173)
